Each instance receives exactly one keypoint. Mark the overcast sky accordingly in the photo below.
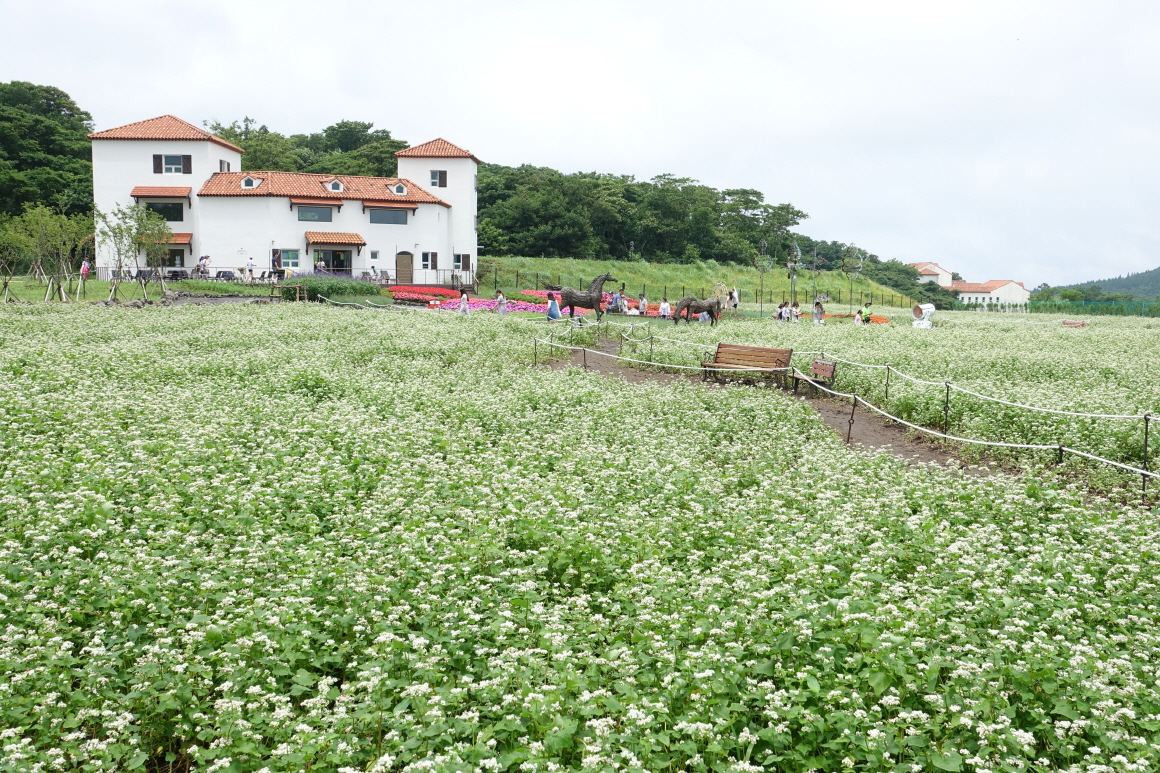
(1003, 140)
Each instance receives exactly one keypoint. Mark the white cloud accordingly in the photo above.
(1004, 140)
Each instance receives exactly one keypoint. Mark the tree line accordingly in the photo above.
(45, 160)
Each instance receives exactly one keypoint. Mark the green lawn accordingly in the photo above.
(676, 280)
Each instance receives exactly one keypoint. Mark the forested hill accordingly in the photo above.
(1145, 284)
(523, 211)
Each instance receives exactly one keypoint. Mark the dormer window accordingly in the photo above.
(401, 189)
(335, 186)
(249, 182)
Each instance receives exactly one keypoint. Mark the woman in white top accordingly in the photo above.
(463, 301)
(665, 310)
(501, 304)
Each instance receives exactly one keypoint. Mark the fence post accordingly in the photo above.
(850, 427)
(495, 278)
(1144, 485)
(947, 411)
(535, 351)
(887, 406)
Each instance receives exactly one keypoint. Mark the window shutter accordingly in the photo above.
(187, 164)
(465, 262)
(434, 260)
(442, 179)
(157, 164)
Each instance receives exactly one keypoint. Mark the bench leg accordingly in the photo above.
(795, 383)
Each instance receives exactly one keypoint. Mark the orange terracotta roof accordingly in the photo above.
(982, 287)
(163, 127)
(313, 186)
(323, 237)
(927, 264)
(928, 272)
(437, 148)
(180, 238)
(160, 192)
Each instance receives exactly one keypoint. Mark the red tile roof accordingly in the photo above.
(323, 237)
(313, 186)
(928, 271)
(163, 127)
(982, 287)
(180, 238)
(927, 264)
(437, 148)
(159, 192)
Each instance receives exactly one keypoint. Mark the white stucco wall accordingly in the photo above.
(258, 224)
(460, 193)
(121, 165)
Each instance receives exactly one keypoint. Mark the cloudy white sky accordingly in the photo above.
(1003, 140)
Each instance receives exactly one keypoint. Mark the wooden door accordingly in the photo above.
(404, 268)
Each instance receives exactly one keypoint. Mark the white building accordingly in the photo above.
(998, 291)
(933, 272)
(420, 227)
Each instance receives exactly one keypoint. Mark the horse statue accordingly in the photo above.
(572, 299)
(691, 305)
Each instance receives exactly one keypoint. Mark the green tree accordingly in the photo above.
(45, 155)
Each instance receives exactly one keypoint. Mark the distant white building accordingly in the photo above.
(997, 291)
(933, 272)
(420, 227)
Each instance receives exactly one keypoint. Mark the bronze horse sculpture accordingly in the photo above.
(690, 305)
(572, 299)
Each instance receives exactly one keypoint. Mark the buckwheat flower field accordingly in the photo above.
(294, 538)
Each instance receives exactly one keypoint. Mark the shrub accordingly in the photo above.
(328, 286)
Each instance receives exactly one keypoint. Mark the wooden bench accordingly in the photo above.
(748, 360)
(1073, 323)
(821, 372)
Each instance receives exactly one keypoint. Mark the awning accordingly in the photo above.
(315, 202)
(180, 238)
(388, 205)
(326, 237)
(154, 192)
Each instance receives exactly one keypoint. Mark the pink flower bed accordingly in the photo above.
(483, 304)
(652, 310)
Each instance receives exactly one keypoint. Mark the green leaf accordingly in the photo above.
(138, 760)
(951, 760)
(879, 680)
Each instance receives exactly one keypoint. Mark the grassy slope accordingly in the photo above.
(669, 278)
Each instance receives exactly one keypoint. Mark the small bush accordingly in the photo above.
(327, 286)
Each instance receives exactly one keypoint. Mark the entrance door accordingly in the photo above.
(340, 261)
(404, 268)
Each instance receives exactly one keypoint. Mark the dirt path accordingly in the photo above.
(869, 430)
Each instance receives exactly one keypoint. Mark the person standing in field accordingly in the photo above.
(819, 312)
(643, 305)
(463, 301)
(795, 312)
(553, 307)
(500, 303)
(665, 310)
(858, 317)
(249, 270)
(85, 270)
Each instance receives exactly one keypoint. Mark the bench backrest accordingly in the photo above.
(752, 356)
(823, 370)
(1073, 323)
